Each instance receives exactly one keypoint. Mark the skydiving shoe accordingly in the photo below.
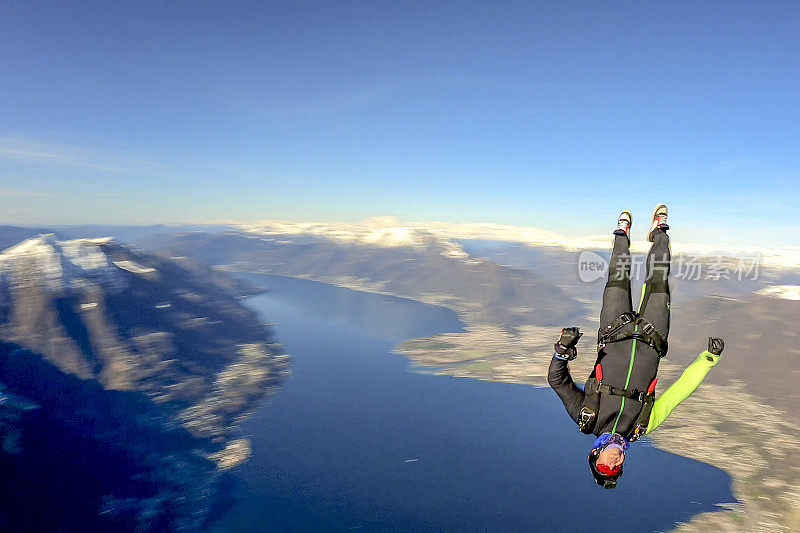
(624, 224)
(659, 221)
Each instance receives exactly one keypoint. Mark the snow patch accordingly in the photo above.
(136, 268)
(62, 264)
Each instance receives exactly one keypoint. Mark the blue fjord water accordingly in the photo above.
(356, 440)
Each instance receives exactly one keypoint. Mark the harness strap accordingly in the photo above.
(643, 420)
(645, 332)
(634, 394)
(591, 404)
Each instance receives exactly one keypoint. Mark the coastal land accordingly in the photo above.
(725, 423)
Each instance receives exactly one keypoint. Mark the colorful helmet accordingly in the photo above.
(603, 476)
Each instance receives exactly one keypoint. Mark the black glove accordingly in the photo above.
(565, 346)
(716, 346)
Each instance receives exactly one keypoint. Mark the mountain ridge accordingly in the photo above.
(480, 290)
(102, 320)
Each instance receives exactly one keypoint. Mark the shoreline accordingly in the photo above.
(521, 355)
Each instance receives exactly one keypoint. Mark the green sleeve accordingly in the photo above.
(681, 389)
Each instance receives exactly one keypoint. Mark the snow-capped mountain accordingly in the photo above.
(105, 340)
(61, 265)
(413, 264)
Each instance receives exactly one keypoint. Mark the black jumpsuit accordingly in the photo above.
(627, 364)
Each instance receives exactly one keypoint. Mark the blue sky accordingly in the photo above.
(548, 114)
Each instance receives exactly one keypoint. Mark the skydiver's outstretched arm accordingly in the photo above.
(686, 384)
(560, 379)
(558, 375)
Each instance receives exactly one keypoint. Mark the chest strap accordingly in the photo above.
(644, 332)
(591, 404)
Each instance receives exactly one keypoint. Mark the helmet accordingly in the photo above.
(605, 480)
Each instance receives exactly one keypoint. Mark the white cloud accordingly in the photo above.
(390, 231)
(787, 292)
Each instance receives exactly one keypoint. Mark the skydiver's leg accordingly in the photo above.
(655, 304)
(617, 293)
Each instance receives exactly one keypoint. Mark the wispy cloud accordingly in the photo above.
(75, 156)
(7, 152)
(37, 155)
(6, 193)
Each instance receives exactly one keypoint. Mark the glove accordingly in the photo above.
(716, 346)
(565, 346)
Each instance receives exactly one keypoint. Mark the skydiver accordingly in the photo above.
(618, 403)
